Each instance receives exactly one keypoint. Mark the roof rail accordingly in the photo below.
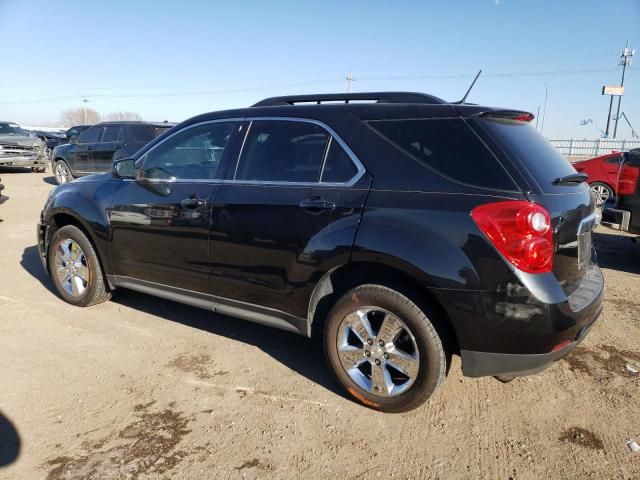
(373, 97)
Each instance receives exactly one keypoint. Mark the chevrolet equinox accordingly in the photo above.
(400, 228)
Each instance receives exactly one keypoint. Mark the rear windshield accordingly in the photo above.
(144, 133)
(522, 141)
(450, 147)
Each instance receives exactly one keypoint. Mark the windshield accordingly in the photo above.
(12, 129)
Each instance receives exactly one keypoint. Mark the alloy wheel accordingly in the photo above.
(601, 192)
(71, 267)
(62, 173)
(378, 351)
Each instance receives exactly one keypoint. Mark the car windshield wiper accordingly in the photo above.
(571, 179)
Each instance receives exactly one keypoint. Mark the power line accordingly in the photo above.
(306, 84)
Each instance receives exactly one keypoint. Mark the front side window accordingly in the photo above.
(112, 133)
(282, 151)
(91, 135)
(193, 154)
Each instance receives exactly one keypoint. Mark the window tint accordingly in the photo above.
(91, 135)
(283, 151)
(338, 166)
(194, 154)
(73, 132)
(112, 133)
(523, 142)
(143, 133)
(615, 160)
(450, 147)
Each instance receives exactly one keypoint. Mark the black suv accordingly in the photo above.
(400, 228)
(97, 147)
(71, 132)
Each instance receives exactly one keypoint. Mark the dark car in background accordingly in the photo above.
(96, 148)
(65, 137)
(603, 175)
(20, 148)
(625, 214)
(3, 198)
(398, 227)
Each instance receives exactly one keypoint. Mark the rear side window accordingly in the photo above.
(522, 141)
(449, 147)
(143, 133)
(338, 167)
(282, 151)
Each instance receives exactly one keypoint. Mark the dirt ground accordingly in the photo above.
(145, 388)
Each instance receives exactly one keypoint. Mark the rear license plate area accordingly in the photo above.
(584, 249)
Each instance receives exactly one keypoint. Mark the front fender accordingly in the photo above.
(88, 204)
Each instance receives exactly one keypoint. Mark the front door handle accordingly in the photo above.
(193, 202)
(316, 205)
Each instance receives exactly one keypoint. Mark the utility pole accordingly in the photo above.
(350, 80)
(625, 59)
(84, 106)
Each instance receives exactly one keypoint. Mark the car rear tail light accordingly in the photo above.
(628, 179)
(520, 230)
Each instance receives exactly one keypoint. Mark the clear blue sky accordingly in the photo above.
(173, 60)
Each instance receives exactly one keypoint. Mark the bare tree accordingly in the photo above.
(122, 116)
(79, 116)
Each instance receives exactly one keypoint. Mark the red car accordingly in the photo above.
(603, 175)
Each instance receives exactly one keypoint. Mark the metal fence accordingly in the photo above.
(572, 147)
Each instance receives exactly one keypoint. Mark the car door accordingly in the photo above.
(276, 228)
(160, 221)
(102, 153)
(80, 155)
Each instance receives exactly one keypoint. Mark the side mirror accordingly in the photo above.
(125, 168)
(74, 140)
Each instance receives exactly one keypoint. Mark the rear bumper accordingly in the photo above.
(482, 364)
(616, 219)
(512, 332)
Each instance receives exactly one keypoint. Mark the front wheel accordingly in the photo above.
(62, 172)
(383, 349)
(75, 268)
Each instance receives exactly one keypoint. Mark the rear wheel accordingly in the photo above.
(602, 192)
(383, 349)
(62, 172)
(75, 268)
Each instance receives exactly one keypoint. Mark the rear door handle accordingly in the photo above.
(316, 205)
(193, 202)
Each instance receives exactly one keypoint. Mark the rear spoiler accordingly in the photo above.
(509, 115)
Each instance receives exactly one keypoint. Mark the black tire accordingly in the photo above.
(62, 172)
(96, 290)
(432, 361)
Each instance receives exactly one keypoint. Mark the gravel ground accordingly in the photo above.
(144, 388)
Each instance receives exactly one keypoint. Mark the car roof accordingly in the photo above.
(137, 122)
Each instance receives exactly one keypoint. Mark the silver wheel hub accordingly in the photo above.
(601, 193)
(71, 268)
(378, 351)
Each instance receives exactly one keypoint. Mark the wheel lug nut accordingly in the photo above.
(386, 355)
(367, 353)
(381, 343)
(377, 362)
(369, 341)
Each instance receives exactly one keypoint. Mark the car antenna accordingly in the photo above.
(461, 102)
